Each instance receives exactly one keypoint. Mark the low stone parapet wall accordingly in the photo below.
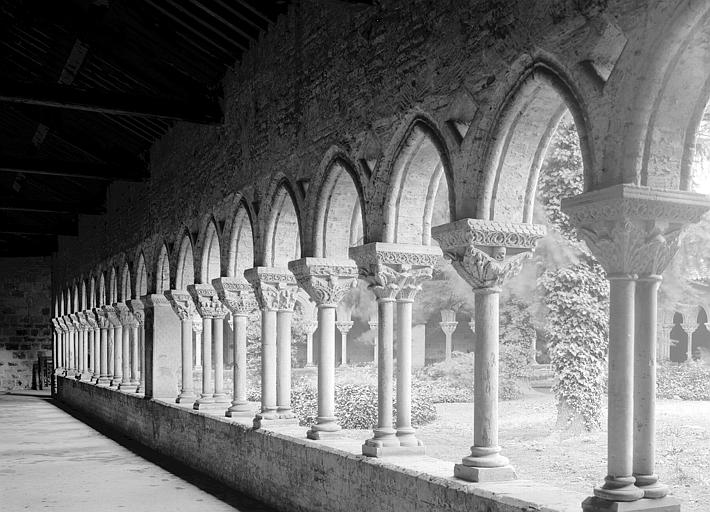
(297, 474)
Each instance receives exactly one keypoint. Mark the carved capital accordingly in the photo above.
(112, 316)
(90, 317)
(325, 280)
(486, 253)
(395, 270)
(182, 303)
(102, 318)
(236, 294)
(124, 315)
(448, 327)
(207, 301)
(61, 325)
(73, 323)
(275, 288)
(344, 326)
(310, 326)
(138, 309)
(632, 229)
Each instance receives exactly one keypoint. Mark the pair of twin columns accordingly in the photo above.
(103, 345)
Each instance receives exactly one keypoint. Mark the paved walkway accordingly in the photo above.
(51, 461)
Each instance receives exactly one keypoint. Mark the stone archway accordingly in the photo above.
(283, 239)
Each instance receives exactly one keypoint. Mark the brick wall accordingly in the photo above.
(25, 287)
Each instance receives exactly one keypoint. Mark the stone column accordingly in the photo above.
(104, 325)
(72, 328)
(373, 324)
(634, 232)
(86, 344)
(689, 328)
(387, 268)
(56, 345)
(664, 352)
(284, 319)
(76, 345)
(127, 322)
(184, 308)
(326, 281)
(212, 312)
(116, 341)
(413, 277)
(275, 290)
(237, 295)
(344, 327)
(197, 329)
(448, 324)
(137, 348)
(485, 254)
(310, 327)
(95, 339)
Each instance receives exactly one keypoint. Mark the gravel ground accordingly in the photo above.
(539, 452)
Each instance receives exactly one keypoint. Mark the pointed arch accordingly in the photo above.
(92, 292)
(524, 127)
(162, 270)
(125, 283)
(186, 264)
(102, 289)
(210, 267)
(75, 298)
(113, 286)
(141, 286)
(83, 303)
(420, 193)
(241, 244)
(338, 222)
(283, 237)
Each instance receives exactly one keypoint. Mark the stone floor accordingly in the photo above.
(50, 460)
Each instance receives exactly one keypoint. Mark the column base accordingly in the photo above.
(240, 410)
(221, 398)
(618, 488)
(185, 397)
(333, 432)
(261, 421)
(85, 377)
(595, 504)
(103, 382)
(476, 474)
(127, 388)
(391, 451)
(651, 487)
(207, 404)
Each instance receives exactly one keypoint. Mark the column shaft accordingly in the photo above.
(117, 356)
(283, 363)
(240, 405)
(103, 358)
(125, 356)
(134, 355)
(619, 483)
(207, 395)
(187, 393)
(644, 445)
(384, 434)
(217, 337)
(268, 365)
(326, 421)
(96, 362)
(405, 432)
(141, 351)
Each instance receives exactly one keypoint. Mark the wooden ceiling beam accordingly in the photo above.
(16, 204)
(24, 223)
(86, 170)
(111, 103)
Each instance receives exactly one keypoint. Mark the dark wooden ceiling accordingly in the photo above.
(86, 86)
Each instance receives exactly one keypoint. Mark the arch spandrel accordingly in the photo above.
(210, 260)
(162, 271)
(282, 242)
(242, 243)
(185, 274)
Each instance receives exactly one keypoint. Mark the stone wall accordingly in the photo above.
(296, 474)
(25, 298)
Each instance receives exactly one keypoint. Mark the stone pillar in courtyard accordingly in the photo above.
(326, 281)
(162, 330)
(275, 290)
(95, 338)
(393, 272)
(104, 325)
(344, 327)
(184, 308)
(56, 345)
(115, 352)
(373, 325)
(237, 295)
(213, 313)
(448, 324)
(127, 325)
(87, 334)
(634, 233)
(137, 345)
(73, 352)
(310, 327)
(486, 254)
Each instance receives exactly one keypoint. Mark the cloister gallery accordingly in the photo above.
(345, 146)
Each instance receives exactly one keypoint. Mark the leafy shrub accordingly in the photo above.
(443, 392)
(517, 338)
(687, 381)
(509, 389)
(355, 406)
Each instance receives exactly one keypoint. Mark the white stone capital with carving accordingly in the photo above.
(102, 318)
(344, 326)
(90, 317)
(182, 303)
(275, 288)
(138, 309)
(632, 229)
(112, 316)
(325, 280)
(486, 253)
(395, 270)
(125, 316)
(207, 301)
(236, 294)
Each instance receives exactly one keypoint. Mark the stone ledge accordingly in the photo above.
(334, 476)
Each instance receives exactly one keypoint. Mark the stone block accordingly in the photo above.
(471, 474)
(667, 504)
